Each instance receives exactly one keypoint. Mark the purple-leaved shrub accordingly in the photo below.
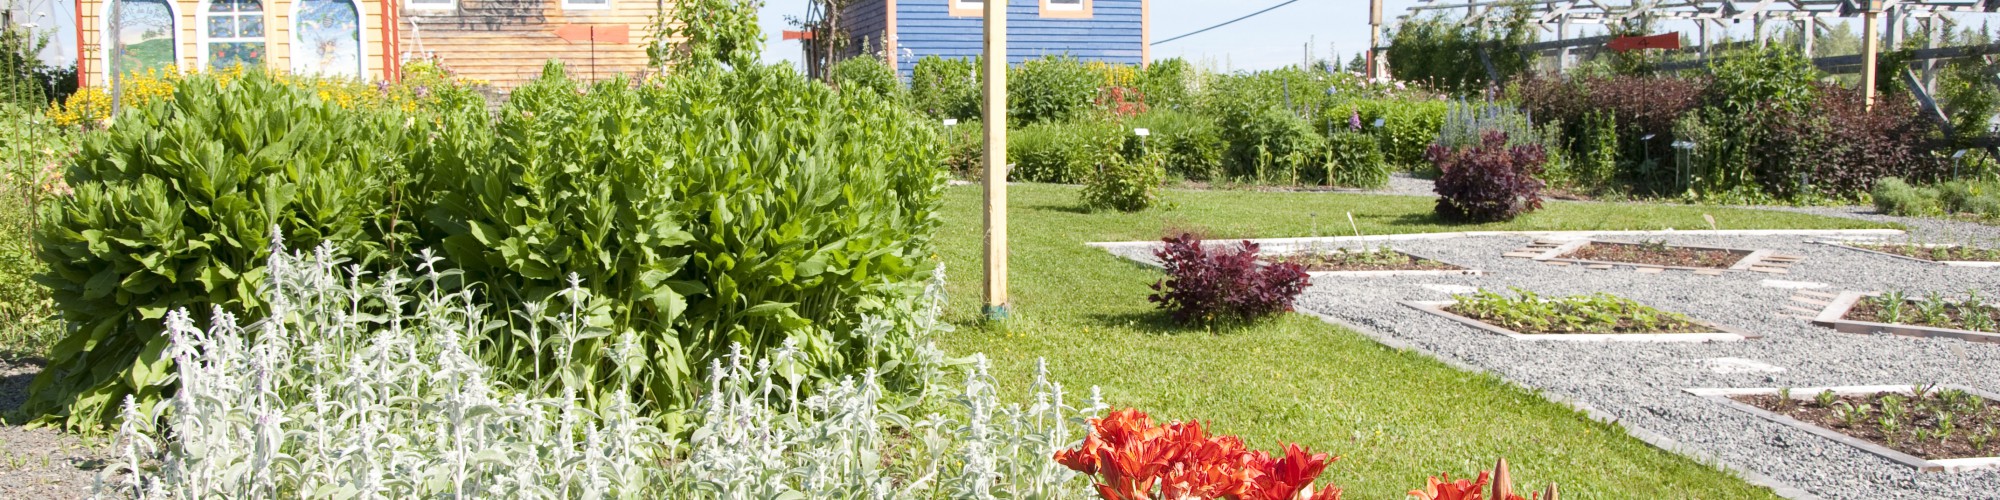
(1204, 286)
(1488, 182)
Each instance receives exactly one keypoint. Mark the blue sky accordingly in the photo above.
(1275, 39)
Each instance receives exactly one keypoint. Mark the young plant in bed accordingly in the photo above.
(1590, 313)
(1925, 421)
(1382, 258)
(1933, 310)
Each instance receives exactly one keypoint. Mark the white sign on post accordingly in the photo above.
(1142, 132)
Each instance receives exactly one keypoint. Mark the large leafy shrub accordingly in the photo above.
(1893, 196)
(1488, 182)
(946, 88)
(1204, 286)
(1454, 56)
(1269, 143)
(175, 206)
(1354, 160)
(751, 207)
(1052, 88)
(1126, 184)
(1409, 127)
(1067, 152)
(867, 74)
(1191, 142)
(1169, 83)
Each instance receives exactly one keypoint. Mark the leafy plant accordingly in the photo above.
(1068, 152)
(1270, 143)
(705, 34)
(1455, 56)
(1593, 313)
(867, 74)
(1051, 88)
(1126, 185)
(1489, 182)
(1826, 398)
(1895, 197)
(1354, 160)
(946, 88)
(175, 206)
(1203, 286)
(1191, 142)
(32, 153)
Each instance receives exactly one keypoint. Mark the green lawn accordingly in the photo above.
(1394, 417)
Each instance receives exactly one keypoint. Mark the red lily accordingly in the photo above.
(1446, 489)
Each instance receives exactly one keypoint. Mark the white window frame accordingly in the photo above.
(569, 5)
(106, 37)
(1054, 5)
(966, 8)
(1082, 9)
(202, 40)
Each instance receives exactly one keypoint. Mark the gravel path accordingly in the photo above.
(41, 463)
(1641, 384)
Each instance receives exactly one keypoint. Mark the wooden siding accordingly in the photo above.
(506, 42)
(1115, 32)
(187, 37)
(868, 25)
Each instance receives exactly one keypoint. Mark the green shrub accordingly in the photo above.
(1166, 84)
(1408, 127)
(1895, 197)
(1967, 197)
(175, 206)
(867, 74)
(1062, 152)
(1126, 184)
(946, 88)
(1191, 143)
(965, 148)
(750, 207)
(1447, 54)
(1053, 88)
(1597, 162)
(1270, 144)
(1354, 160)
(30, 151)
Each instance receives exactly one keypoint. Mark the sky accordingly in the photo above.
(1274, 39)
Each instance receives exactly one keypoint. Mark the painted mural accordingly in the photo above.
(328, 39)
(145, 30)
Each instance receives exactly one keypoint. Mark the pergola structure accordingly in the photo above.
(1560, 15)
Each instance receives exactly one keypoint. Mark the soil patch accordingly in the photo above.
(1657, 255)
(1941, 424)
(1381, 259)
(1934, 254)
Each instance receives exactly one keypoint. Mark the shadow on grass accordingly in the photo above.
(1068, 209)
(1158, 322)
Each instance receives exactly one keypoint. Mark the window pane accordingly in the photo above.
(223, 55)
(249, 6)
(146, 28)
(250, 26)
(222, 27)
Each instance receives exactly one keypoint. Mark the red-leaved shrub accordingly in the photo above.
(1489, 182)
(1203, 286)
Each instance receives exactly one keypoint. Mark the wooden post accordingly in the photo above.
(1562, 54)
(1869, 46)
(1374, 39)
(1807, 30)
(996, 159)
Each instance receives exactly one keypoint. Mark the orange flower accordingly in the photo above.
(1446, 489)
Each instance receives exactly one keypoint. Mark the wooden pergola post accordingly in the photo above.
(1869, 46)
(1374, 69)
(996, 159)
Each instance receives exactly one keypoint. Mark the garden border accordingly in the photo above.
(1657, 440)
(1832, 316)
(1721, 333)
(1722, 395)
(1551, 251)
(1952, 263)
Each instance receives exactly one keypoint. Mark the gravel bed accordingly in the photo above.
(1927, 230)
(41, 463)
(1641, 384)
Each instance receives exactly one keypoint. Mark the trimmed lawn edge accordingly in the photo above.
(1654, 439)
(1275, 244)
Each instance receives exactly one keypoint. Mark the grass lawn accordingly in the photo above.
(1394, 417)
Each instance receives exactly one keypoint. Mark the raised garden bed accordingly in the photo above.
(1654, 257)
(1936, 316)
(1950, 255)
(1586, 318)
(1378, 261)
(1930, 428)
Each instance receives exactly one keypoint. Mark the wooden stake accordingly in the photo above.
(1869, 46)
(996, 159)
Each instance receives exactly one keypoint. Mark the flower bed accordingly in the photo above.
(1932, 428)
(1381, 260)
(1935, 315)
(1658, 254)
(1952, 255)
(1592, 317)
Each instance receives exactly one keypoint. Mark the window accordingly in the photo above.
(586, 4)
(326, 38)
(1071, 9)
(142, 39)
(235, 34)
(431, 4)
(967, 8)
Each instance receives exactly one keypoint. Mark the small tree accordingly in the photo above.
(707, 33)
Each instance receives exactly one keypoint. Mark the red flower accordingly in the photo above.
(1131, 457)
(1447, 490)
(1290, 475)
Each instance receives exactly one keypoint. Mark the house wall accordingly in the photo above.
(506, 42)
(187, 36)
(1115, 32)
(868, 25)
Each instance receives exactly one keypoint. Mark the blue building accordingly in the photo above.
(1113, 31)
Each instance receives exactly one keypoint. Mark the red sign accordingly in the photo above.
(1630, 43)
(798, 35)
(616, 33)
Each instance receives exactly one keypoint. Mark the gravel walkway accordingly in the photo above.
(41, 463)
(1641, 384)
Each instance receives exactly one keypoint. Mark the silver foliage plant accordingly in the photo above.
(372, 388)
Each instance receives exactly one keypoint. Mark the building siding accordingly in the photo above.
(187, 39)
(506, 42)
(1114, 33)
(868, 26)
